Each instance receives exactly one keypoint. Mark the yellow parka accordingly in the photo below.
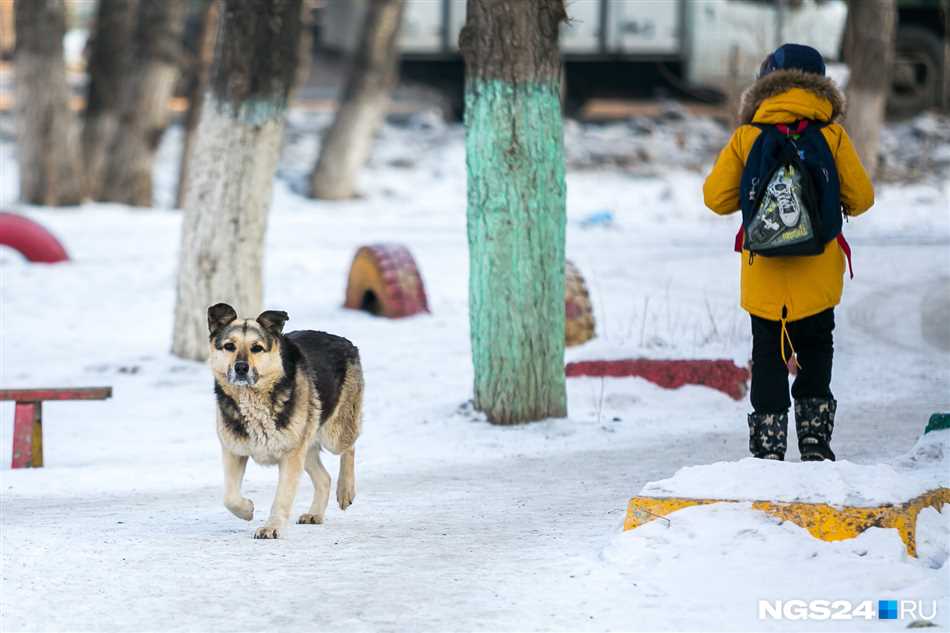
(804, 285)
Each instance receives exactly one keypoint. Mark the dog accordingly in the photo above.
(280, 399)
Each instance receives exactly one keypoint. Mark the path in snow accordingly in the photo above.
(474, 547)
(508, 543)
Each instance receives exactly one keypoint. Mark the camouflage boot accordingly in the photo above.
(815, 420)
(768, 435)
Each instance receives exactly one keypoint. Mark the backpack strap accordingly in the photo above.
(846, 249)
(793, 132)
(796, 129)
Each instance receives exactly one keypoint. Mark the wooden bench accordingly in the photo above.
(28, 418)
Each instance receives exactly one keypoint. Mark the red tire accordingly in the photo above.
(34, 242)
(385, 281)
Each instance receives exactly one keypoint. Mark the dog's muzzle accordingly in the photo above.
(241, 374)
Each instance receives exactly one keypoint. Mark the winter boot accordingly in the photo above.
(814, 421)
(768, 435)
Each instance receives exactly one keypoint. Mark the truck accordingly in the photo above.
(707, 49)
(708, 46)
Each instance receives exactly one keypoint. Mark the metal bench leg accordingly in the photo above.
(28, 435)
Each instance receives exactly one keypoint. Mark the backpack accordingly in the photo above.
(789, 191)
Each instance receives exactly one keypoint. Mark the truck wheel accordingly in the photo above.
(578, 314)
(917, 76)
(384, 281)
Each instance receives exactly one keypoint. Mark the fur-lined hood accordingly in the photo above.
(780, 81)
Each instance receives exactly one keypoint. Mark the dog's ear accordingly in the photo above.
(273, 321)
(219, 316)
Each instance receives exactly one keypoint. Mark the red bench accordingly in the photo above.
(28, 418)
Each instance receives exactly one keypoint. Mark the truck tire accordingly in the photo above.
(917, 78)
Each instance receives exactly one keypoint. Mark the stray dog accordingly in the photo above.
(281, 397)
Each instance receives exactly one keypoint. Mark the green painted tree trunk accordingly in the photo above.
(516, 207)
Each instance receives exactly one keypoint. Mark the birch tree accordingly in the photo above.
(47, 130)
(236, 148)
(346, 146)
(516, 207)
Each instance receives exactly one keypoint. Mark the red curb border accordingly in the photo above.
(722, 375)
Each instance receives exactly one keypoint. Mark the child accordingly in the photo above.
(791, 299)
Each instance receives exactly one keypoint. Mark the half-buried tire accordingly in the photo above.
(33, 241)
(578, 314)
(385, 281)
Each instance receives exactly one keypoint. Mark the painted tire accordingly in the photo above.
(34, 242)
(722, 375)
(385, 281)
(578, 314)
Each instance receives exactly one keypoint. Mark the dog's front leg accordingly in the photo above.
(234, 466)
(290, 468)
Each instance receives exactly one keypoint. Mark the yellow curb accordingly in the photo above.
(823, 521)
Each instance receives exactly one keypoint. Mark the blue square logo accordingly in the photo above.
(887, 609)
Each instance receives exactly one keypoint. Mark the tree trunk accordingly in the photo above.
(108, 68)
(346, 146)
(147, 89)
(47, 130)
(209, 32)
(945, 96)
(305, 43)
(7, 32)
(236, 148)
(870, 36)
(516, 207)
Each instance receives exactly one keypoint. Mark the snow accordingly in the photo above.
(715, 553)
(924, 469)
(457, 524)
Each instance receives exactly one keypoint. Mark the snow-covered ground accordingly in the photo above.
(457, 524)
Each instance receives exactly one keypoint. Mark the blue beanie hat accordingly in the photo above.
(793, 57)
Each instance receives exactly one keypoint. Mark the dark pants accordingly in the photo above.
(811, 338)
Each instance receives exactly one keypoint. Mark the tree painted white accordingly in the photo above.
(143, 120)
(869, 51)
(228, 196)
(108, 68)
(866, 109)
(347, 144)
(144, 106)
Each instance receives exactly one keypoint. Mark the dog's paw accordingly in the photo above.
(345, 493)
(267, 532)
(310, 519)
(242, 508)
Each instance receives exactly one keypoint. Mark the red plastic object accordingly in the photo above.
(722, 375)
(31, 239)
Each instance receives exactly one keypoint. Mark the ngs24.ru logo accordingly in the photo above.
(847, 610)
